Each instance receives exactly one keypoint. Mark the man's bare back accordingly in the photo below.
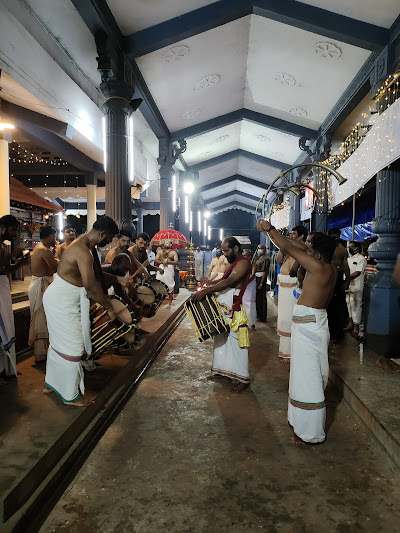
(43, 262)
(318, 287)
(68, 268)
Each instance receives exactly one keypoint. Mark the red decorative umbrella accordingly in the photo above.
(177, 238)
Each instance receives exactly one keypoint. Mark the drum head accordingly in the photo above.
(160, 287)
(120, 307)
(146, 294)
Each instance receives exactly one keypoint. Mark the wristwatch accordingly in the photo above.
(271, 228)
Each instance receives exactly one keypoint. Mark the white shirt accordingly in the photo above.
(151, 256)
(357, 263)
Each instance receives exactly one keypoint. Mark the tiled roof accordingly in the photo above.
(20, 193)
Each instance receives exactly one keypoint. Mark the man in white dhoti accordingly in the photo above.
(66, 304)
(9, 262)
(43, 267)
(286, 297)
(354, 294)
(229, 359)
(250, 295)
(166, 259)
(310, 334)
(198, 263)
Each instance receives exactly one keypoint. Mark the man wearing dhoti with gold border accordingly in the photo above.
(309, 334)
(230, 357)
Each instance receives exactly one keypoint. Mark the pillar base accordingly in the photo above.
(383, 310)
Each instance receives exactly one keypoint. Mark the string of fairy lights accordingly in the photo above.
(19, 154)
(381, 128)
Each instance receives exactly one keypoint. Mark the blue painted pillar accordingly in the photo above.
(383, 313)
(168, 154)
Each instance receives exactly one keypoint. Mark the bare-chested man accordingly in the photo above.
(310, 334)
(69, 236)
(218, 266)
(337, 309)
(66, 304)
(9, 262)
(230, 360)
(167, 258)
(286, 298)
(43, 267)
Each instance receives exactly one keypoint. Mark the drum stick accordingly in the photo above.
(140, 269)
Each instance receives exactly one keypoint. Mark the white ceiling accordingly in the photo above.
(382, 13)
(133, 16)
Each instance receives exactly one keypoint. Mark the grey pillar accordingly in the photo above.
(168, 155)
(383, 313)
(117, 111)
(139, 214)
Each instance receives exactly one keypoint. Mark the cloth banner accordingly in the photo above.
(380, 147)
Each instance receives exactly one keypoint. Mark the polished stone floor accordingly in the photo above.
(185, 456)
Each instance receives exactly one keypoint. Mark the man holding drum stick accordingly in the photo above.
(230, 360)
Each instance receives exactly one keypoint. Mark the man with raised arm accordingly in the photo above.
(310, 334)
(66, 304)
(43, 267)
(229, 359)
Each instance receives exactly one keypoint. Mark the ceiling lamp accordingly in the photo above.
(188, 187)
(6, 126)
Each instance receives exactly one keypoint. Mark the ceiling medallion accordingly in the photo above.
(222, 138)
(298, 111)
(327, 50)
(193, 113)
(208, 81)
(177, 53)
(285, 79)
(277, 154)
(263, 138)
(203, 155)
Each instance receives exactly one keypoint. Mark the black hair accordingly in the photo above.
(9, 221)
(324, 245)
(301, 231)
(46, 231)
(106, 224)
(68, 226)
(125, 233)
(144, 236)
(232, 242)
(357, 245)
(333, 232)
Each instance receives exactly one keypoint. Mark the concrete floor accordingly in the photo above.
(31, 422)
(186, 456)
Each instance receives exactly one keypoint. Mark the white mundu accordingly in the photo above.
(354, 295)
(309, 369)
(229, 359)
(286, 302)
(67, 313)
(249, 302)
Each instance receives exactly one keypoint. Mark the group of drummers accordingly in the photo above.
(91, 308)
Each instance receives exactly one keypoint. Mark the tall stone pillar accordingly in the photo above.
(294, 213)
(139, 214)
(383, 313)
(91, 205)
(167, 158)
(118, 157)
(4, 174)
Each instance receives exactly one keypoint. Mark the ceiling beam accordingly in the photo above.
(236, 153)
(186, 26)
(234, 204)
(323, 22)
(97, 16)
(235, 177)
(273, 123)
(58, 146)
(290, 12)
(232, 193)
